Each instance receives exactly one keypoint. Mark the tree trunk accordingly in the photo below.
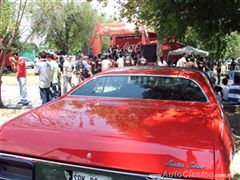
(10, 39)
(1, 102)
(2, 54)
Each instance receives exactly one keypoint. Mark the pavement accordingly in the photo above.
(235, 168)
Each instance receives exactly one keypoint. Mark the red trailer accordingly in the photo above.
(120, 34)
(125, 35)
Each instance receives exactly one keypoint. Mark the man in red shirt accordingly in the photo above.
(19, 66)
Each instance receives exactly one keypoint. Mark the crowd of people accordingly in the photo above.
(223, 89)
(51, 68)
(48, 71)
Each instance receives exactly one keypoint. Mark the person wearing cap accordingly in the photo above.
(18, 65)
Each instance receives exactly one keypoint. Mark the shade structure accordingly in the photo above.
(188, 50)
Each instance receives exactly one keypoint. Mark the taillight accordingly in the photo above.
(15, 168)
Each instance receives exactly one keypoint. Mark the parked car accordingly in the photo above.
(29, 63)
(130, 123)
(228, 64)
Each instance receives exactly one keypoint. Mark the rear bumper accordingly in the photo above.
(20, 167)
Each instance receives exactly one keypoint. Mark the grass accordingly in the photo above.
(11, 80)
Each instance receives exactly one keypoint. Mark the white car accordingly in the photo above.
(228, 64)
(29, 63)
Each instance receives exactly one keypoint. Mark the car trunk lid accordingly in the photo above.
(147, 136)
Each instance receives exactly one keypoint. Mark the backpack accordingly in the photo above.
(79, 65)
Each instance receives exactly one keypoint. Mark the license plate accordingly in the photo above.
(87, 176)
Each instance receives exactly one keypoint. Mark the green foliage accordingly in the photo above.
(8, 24)
(211, 20)
(6, 20)
(232, 41)
(66, 25)
(11, 15)
(191, 38)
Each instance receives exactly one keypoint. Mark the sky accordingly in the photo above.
(109, 10)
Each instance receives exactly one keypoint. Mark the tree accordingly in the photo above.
(212, 20)
(11, 14)
(67, 25)
(64, 24)
(232, 49)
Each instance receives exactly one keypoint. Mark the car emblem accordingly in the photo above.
(89, 155)
(171, 163)
(192, 165)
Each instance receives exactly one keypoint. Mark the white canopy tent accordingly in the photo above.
(188, 50)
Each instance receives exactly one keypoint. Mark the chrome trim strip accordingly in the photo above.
(70, 165)
(174, 76)
(147, 176)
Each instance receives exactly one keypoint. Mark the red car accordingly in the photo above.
(129, 124)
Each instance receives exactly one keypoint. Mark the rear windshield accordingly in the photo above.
(143, 87)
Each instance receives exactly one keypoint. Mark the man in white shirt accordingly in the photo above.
(120, 61)
(182, 62)
(161, 62)
(225, 89)
(106, 63)
(67, 74)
